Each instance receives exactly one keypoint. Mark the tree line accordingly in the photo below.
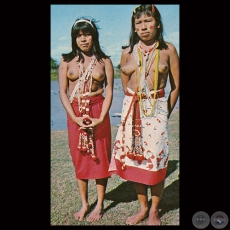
(53, 64)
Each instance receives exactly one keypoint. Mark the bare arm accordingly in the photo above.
(63, 87)
(174, 78)
(124, 78)
(109, 71)
(109, 82)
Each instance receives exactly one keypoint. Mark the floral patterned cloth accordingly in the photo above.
(154, 137)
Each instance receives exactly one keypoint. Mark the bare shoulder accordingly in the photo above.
(125, 54)
(107, 61)
(63, 63)
(171, 48)
(126, 50)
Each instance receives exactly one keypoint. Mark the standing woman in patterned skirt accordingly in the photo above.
(84, 74)
(141, 147)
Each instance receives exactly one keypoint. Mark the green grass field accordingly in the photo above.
(120, 199)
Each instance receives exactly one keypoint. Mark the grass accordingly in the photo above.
(120, 198)
(54, 74)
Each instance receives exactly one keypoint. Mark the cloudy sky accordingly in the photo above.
(114, 22)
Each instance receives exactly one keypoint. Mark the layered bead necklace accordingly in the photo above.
(144, 60)
(144, 67)
(84, 86)
(83, 91)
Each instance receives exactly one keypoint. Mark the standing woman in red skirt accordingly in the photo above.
(84, 75)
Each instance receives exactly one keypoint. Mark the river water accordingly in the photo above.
(58, 114)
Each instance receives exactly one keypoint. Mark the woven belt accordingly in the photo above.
(160, 93)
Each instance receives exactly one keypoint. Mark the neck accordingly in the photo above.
(147, 43)
(146, 49)
(87, 54)
(87, 57)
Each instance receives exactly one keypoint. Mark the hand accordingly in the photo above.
(90, 122)
(95, 122)
(83, 122)
(87, 121)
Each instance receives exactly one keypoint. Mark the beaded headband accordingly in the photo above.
(134, 11)
(83, 20)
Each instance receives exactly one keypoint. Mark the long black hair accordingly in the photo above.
(90, 27)
(149, 10)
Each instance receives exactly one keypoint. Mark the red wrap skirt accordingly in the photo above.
(85, 167)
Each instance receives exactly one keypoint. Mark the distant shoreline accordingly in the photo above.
(58, 114)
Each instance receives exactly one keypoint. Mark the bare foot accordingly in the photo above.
(135, 219)
(154, 218)
(81, 213)
(95, 215)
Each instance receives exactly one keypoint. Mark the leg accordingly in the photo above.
(141, 191)
(156, 192)
(97, 213)
(83, 189)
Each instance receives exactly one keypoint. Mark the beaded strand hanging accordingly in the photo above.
(135, 151)
(157, 55)
(82, 92)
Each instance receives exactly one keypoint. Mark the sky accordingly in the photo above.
(114, 22)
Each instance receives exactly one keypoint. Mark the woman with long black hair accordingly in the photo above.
(84, 74)
(141, 147)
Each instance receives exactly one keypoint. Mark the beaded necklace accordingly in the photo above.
(85, 78)
(147, 52)
(144, 73)
(135, 150)
(83, 91)
(84, 86)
